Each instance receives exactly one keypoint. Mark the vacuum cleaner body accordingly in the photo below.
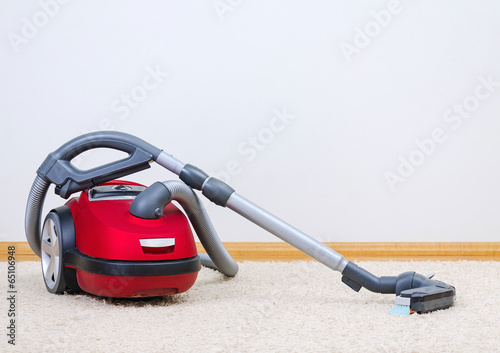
(121, 239)
(116, 254)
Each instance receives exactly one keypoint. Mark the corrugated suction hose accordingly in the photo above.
(218, 258)
(149, 204)
(33, 216)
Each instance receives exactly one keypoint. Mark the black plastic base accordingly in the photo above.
(76, 259)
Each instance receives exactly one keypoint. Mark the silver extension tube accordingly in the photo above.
(286, 232)
(269, 222)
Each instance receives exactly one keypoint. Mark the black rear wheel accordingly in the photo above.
(52, 254)
(58, 236)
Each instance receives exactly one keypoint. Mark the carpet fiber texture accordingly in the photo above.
(267, 307)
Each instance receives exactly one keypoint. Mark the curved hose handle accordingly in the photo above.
(57, 169)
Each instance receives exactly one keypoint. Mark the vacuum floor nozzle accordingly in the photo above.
(427, 299)
(424, 299)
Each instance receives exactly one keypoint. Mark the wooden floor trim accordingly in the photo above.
(249, 251)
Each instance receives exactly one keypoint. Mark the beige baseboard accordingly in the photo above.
(352, 251)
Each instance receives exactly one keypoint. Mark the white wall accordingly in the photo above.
(355, 95)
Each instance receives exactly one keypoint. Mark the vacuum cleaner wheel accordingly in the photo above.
(52, 254)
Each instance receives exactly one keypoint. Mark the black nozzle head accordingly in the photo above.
(425, 294)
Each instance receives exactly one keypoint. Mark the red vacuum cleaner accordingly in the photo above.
(122, 239)
(113, 253)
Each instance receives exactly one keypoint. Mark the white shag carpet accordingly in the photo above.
(267, 307)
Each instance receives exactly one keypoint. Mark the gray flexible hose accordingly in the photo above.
(34, 213)
(218, 258)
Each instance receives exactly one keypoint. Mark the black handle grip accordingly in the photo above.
(57, 167)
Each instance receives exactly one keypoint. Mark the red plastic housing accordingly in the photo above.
(105, 229)
(132, 287)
